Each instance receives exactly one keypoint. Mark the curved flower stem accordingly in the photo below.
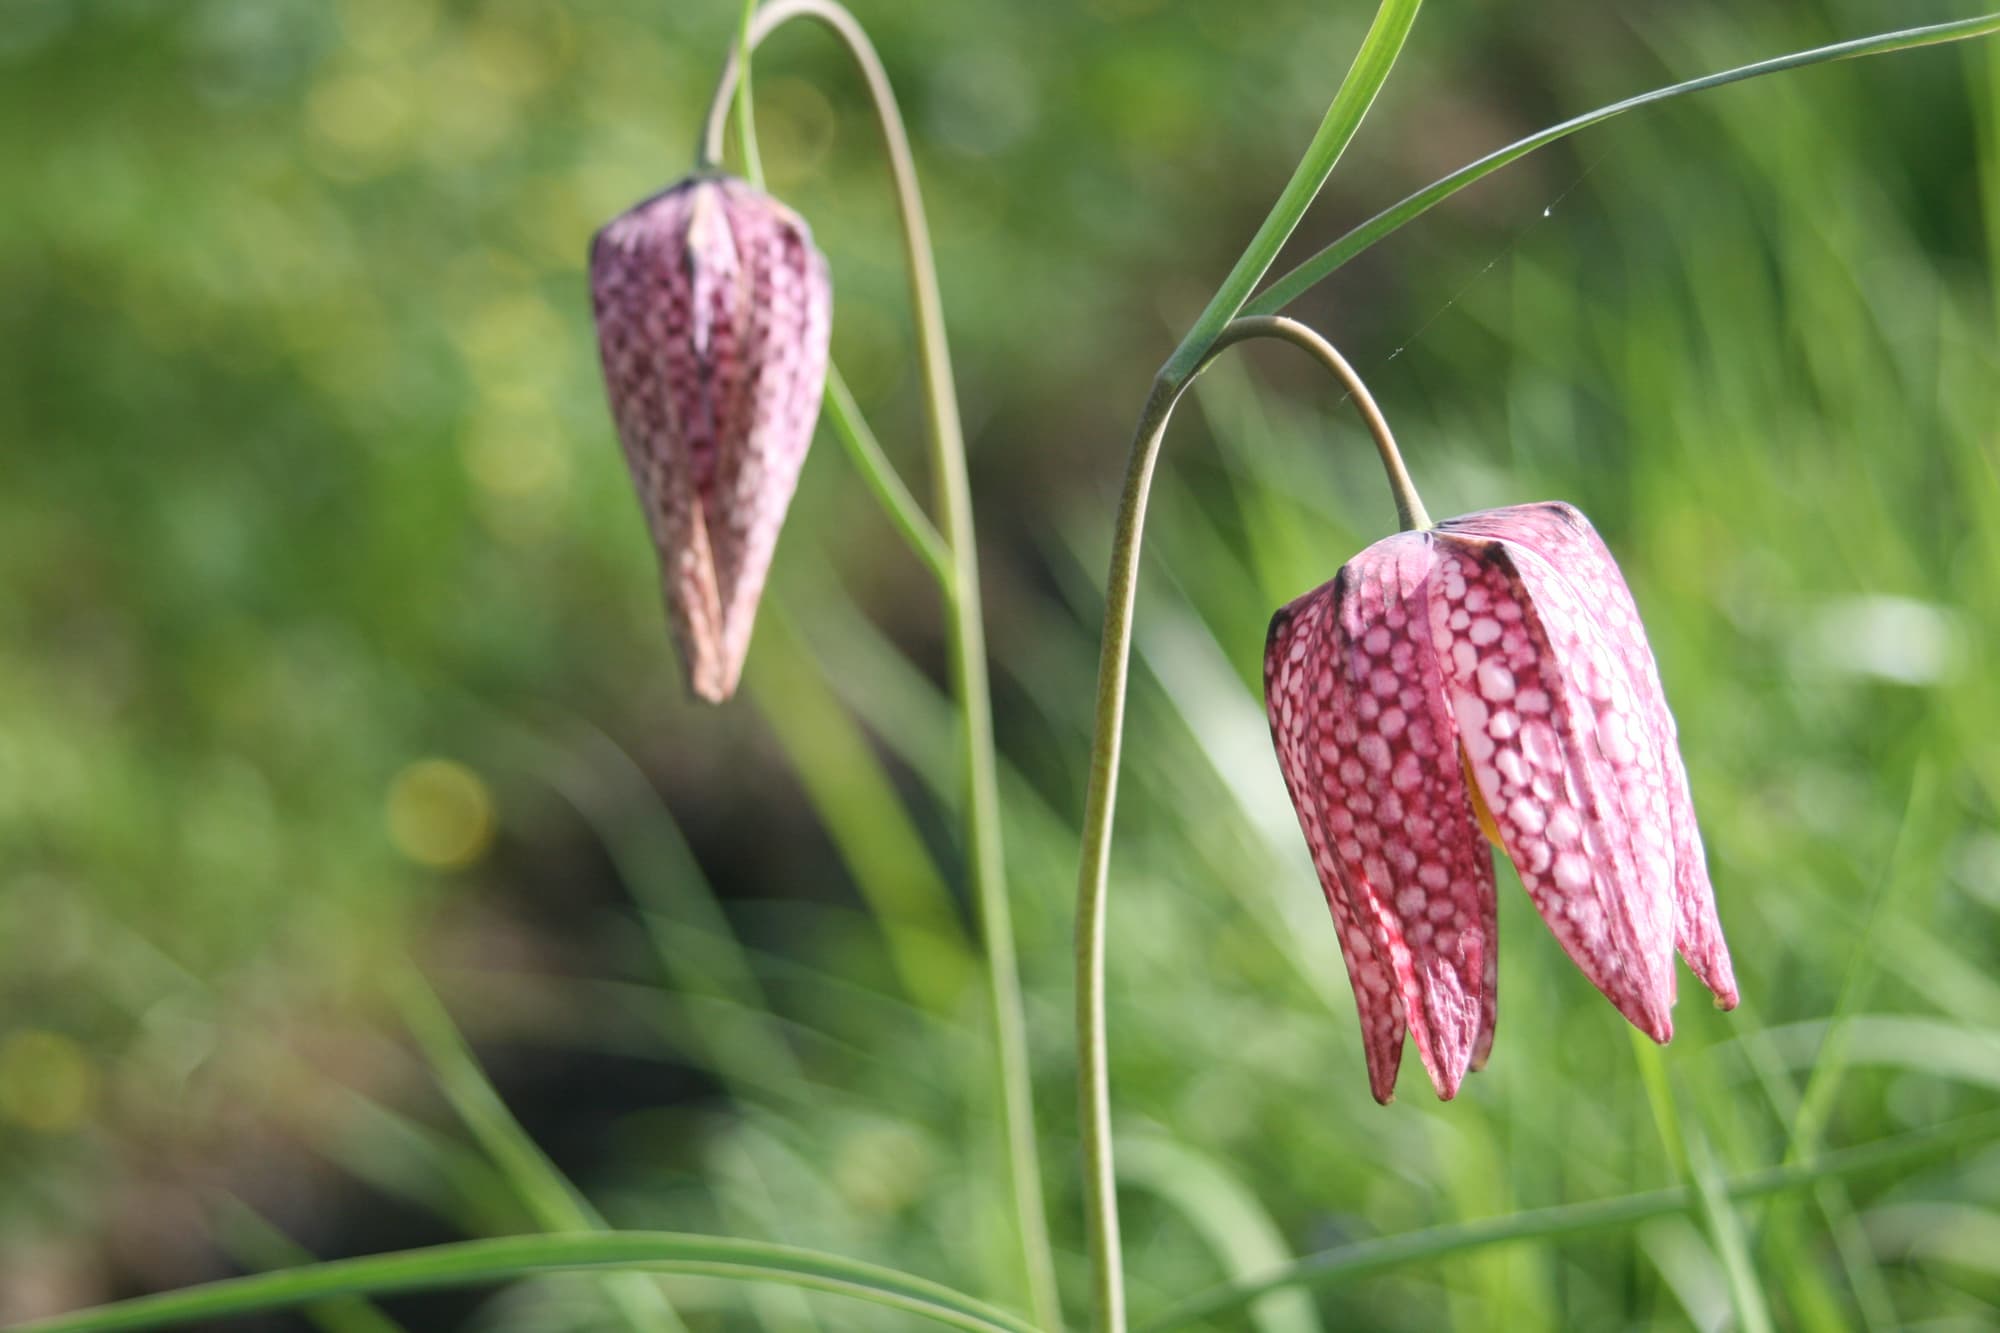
(967, 635)
(1113, 670)
(746, 113)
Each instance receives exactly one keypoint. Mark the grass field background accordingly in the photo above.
(330, 649)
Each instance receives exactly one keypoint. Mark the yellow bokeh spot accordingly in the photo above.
(46, 1081)
(797, 126)
(440, 814)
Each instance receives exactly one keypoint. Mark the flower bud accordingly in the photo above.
(713, 314)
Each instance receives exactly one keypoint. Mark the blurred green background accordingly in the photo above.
(330, 639)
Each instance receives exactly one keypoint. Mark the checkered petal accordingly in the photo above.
(1365, 737)
(713, 315)
(1565, 539)
(1567, 762)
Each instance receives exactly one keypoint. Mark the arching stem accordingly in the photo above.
(1113, 671)
(965, 626)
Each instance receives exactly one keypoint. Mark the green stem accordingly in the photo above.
(1296, 283)
(746, 117)
(1343, 117)
(477, 1262)
(966, 632)
(1114, 668)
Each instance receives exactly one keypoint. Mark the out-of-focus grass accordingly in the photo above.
(310, 488)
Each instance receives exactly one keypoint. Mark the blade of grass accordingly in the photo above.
(254, 1242)
(479, 1262)
(745, 1046)
(554, 1203)
(1365, 77)
(1691, 1158)
(1225, 1211)
(1298, 281)
(1900, 883)
(871, 828)
(1364, 1258)
(905, 514)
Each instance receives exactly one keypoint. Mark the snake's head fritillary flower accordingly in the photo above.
(1488, 679)
(713, 314)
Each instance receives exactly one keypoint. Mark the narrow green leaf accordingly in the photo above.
(1356, 94)
(550, 1198)
(873, 464)
(1388, 1252)
(1297, 282)
(1226, 1213)
(473, 1263)
(254, 1242)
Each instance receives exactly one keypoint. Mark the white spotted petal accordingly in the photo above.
(1565, 539)
(1365, 737)
(713, 315)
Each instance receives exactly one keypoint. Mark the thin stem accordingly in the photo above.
(1114, 668)
(966, 629)
(746, 116)
(863, 449)
(1409, 507)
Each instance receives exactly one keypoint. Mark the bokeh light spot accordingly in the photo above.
(46, 1081)
(440, 814)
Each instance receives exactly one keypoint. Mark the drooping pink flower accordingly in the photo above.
(713, 314)
(1490, 672)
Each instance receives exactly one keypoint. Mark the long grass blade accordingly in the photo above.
(1374, 1256)
(479, 1262)
(1350, 104)
(555, 1204)
(1296, 283)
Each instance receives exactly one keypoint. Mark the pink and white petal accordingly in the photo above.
(1565, 538)
(1301, 688)
(1529, 685)
(644, 294)
(1412, 851)
(774, 392)
(1489, 1004)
